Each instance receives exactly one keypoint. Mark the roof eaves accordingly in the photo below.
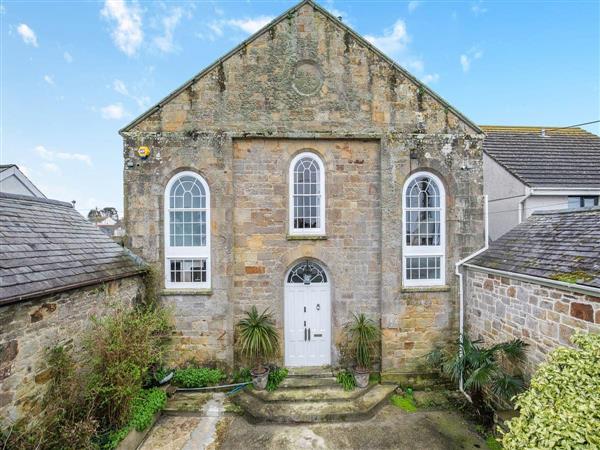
(273, 23)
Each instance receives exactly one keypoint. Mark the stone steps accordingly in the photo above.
(284, 406)
(310, 372)
(309, 394)
(303, 382)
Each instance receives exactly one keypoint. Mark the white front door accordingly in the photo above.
(307, 316)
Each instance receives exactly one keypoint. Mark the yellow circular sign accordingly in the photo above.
(144, 152)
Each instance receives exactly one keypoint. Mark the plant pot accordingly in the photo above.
(259, 379)
(362, 377)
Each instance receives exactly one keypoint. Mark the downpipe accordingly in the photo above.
(459, 274)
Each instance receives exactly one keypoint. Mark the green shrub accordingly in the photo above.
(258, 338)
(346, 379)
(404, 402)
(362, 334)
(143, 409)
(561, 409)
(242, 375)
(276, 376)
(122, 347)
(197, 377)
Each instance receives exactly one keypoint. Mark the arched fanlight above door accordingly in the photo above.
(307, 272)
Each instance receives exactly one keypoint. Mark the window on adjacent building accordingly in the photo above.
(187, 232)
(307, 195)
(582, 201)
(424, 230)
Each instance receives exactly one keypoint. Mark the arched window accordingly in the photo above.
(307, 195)
(187, 232)
(424, 235)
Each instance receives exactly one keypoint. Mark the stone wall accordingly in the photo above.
(30, 328)
(500, 309)
(306, 83)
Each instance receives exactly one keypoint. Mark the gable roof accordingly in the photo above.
(551, 244)
(271, 25)
(46, 247)
(12, 170)
(562, 157)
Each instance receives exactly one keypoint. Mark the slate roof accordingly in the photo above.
(3, 167)
(550, 244)
(46, 246)
(567, 157)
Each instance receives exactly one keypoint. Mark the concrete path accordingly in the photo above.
(391, 428)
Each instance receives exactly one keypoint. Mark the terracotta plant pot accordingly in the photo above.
(362, 377)
(259, 379)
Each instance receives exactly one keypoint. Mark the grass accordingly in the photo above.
(493, 443)
(405, 403)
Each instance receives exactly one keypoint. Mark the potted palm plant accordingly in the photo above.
(363, 334)
(259, 341)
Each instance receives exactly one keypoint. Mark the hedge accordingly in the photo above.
(561, 410)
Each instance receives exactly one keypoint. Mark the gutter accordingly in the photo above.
(461, 294)
(528, 193)
(573, 287)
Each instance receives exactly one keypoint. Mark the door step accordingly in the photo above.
(302, 382)
(283, 407)
(310, 372)
(309, 394)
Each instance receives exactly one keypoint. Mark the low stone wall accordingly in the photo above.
(500, 309)
(28, 329)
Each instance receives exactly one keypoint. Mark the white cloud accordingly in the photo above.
(68, 57)
(430, 78)
(169, 23)
(250, 24)
(114, 111)
(127, 33)
(120, 87)
(27, 34)
(50, 155)
(48, 79)
(468, 57)
(478, 8)
(51, 167)
(414, 4)
(393, 40)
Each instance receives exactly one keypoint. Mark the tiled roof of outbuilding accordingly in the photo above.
(560, 245)
(562, 157)
(46, 246)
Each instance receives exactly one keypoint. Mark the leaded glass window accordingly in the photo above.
(307, 272)
(307, 209)
(424, 230)
(187, 232)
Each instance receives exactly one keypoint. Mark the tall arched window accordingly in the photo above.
(187, 232)
(307, 195)
(424, 236)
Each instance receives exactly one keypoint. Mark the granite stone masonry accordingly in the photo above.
(501, 308)
(30, 328)
(306, 83)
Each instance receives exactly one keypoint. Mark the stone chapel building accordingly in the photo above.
(306, 172)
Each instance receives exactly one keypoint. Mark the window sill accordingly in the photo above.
(444, 288)
(173, 292)
(306, 237)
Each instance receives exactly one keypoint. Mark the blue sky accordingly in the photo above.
(73, 73)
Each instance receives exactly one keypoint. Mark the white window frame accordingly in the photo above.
(322, 203)
(189, 252)
(424, 250)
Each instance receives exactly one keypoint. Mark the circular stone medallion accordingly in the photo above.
(307, 79)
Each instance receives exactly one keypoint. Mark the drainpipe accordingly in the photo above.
(522, 215)
(461, 290)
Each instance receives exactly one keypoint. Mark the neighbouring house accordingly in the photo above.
(111, 227)
(56, 271)
(307, 173)
(527, 169)
(13, 181)
(540, 282)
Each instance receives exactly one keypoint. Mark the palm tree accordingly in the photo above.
(363, 334)
(481, 368)
(258, 340)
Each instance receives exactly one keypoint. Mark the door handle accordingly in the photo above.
(305, 334)
(309, 335)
